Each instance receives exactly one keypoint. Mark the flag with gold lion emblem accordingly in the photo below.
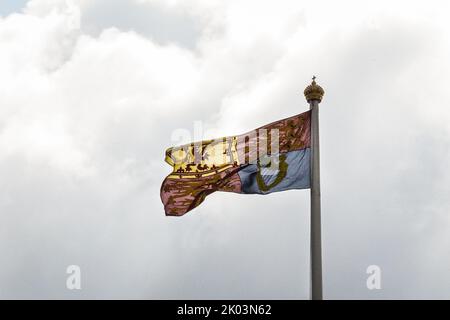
(274, 157)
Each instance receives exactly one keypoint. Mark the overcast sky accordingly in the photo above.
(92, 91)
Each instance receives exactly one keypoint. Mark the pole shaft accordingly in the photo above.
(316, 240)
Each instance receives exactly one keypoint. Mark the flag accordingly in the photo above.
(272, 158)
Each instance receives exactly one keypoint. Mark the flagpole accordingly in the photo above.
(313, 94)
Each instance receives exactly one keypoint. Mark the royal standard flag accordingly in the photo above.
(275, 157)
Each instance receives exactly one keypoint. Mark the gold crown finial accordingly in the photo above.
(314, 91)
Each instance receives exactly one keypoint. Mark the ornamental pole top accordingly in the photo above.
(314, 91)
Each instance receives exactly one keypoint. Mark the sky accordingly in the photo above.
(93, 92)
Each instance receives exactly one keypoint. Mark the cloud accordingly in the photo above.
(90, 95)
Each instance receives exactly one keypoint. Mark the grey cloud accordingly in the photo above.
(384, 179)
(156, 22)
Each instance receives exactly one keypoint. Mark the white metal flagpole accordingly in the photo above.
(313, 94)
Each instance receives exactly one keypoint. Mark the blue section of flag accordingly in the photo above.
(296, 176)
